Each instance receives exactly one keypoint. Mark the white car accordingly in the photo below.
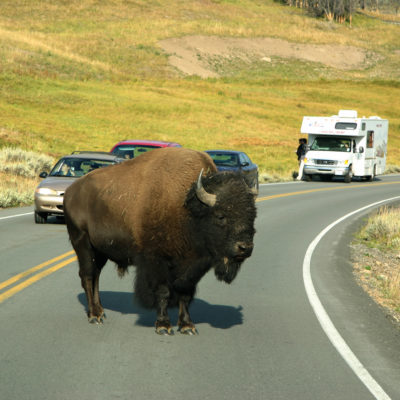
(49, 194)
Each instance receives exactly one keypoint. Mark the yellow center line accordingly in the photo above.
(275, 196)
(35, 278)
(34, 269)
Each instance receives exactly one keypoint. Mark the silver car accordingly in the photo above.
(49, 194)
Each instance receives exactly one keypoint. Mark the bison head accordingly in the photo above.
(222, 209)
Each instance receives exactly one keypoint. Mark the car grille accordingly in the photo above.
(325, 162)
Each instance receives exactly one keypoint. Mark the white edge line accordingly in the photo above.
(16, 215)
(323, 317)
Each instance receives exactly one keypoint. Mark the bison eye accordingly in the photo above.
(221, 218)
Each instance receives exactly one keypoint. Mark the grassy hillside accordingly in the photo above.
(83, 74)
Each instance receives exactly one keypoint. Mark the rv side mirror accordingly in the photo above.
(361, 149)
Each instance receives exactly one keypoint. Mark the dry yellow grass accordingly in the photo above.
(378, 265)
(19, 172)
(16, 191)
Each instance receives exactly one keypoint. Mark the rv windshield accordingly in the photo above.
(331, 144)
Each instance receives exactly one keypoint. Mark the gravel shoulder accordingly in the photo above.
(374, 270)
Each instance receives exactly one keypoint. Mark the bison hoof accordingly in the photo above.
(188, 330)
(162, 330)
(97, 320)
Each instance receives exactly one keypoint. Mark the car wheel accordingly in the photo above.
(40, 218)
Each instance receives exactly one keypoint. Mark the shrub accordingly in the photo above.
(19, 172)
(383, 228)
(18, 162)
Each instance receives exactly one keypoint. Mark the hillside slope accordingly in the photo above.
(239, 74)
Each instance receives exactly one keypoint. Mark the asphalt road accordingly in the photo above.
(293, 325)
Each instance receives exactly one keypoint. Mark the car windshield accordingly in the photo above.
(132, 150)
(225, 159)
(331, 144)
(75, 167)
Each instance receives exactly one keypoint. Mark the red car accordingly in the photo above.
(133, 148)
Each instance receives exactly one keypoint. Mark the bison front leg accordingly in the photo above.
(163, 324)
(185, 324)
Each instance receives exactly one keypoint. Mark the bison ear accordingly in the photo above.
(206, 198)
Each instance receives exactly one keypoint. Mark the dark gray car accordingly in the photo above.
(232, 160)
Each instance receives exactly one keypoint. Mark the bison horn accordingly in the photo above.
(254, 191)
(206, 198)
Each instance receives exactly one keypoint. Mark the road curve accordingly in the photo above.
(260, 337)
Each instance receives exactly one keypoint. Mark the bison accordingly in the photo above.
(170, 214)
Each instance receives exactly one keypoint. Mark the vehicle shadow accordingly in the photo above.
(218, 316)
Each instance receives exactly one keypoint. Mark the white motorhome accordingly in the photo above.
(345, 145)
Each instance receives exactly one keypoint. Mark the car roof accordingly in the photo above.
(158, 143)
(92, 155)
(224, 151)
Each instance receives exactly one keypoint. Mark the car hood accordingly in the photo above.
(220, 168)
(328, 155)
(58, 183)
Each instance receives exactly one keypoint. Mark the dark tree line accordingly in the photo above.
(342, 10)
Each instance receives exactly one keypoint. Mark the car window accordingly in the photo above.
(78, 166)
(225, 159)
(247, 158)
(244, 159)
(132, 150)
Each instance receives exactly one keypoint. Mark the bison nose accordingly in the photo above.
(243, 249)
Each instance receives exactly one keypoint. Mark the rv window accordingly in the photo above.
(331, 144)
(370, 139)
(345, 125)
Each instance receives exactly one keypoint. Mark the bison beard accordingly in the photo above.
(151, 213)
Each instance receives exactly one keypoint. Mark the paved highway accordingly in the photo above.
(293, 325)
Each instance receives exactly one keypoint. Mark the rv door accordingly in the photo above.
(370, 150)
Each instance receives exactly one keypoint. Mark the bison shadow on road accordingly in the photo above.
(218, 316)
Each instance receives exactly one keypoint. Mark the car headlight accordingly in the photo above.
(308, 160)
(344, 163)
(46, 191)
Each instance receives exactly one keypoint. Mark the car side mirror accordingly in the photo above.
(361, 149)
(43, 174)
(244, 164)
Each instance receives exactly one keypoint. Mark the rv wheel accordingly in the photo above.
(348, 177)
(372, 177)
